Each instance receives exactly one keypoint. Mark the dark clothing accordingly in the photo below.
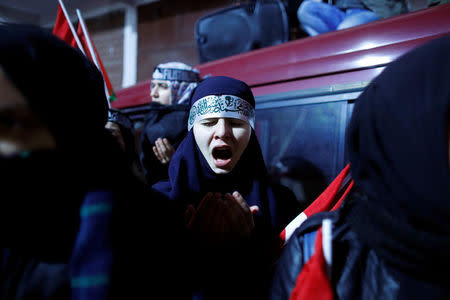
(86, 243)
(42, 190)
(391, 237)
(191, 178)
(397, 143)
(30, 65)
(237, 268)
(357, 271)
(66, 214)
(436, 2)
(162, 121)
(29, 278)
(45, 244)
(148, 248)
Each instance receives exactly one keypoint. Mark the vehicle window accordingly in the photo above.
(303, 145)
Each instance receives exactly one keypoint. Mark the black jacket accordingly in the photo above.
(162, 121)
(357, 271)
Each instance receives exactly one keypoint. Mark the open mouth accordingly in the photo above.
(222, 156)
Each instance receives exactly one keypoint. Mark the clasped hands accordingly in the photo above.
(163, 150)
(221, 218)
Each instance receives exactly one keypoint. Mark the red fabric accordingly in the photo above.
(283, 236)
(105, 75)
(62, 28)
(84, 42)
(326, 200)
(313, 281)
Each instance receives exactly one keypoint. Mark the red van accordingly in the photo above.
(305, 90)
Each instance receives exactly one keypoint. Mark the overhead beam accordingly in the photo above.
(8, 14)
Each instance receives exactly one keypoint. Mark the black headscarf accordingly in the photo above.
(40, 203)
(162, 121)
(127, 132)
(62, 86)
(397, 146)
(43, 192)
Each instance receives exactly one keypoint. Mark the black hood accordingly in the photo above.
(397, 142)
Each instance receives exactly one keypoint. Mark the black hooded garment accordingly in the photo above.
(162, 121)
(65, 91)
(397, 142)
(42, 193)
(42, 243)
(391, 237)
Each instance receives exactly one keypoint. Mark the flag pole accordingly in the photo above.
(91, 50)
(71, 27)
(88, 38)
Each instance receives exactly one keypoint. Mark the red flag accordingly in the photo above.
(62, 28)
(313, 281)
(330, 199)
(84, 36)
(83, 41)
(80, 39)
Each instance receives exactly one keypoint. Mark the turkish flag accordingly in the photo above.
(330, 199)
(313, 281)
(62, 28)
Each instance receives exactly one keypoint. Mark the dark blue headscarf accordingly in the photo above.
(397, 146)
(190, 176)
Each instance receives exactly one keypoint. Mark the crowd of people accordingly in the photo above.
(188, 210)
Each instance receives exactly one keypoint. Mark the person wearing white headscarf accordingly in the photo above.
(180, 79)
(164, 125)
